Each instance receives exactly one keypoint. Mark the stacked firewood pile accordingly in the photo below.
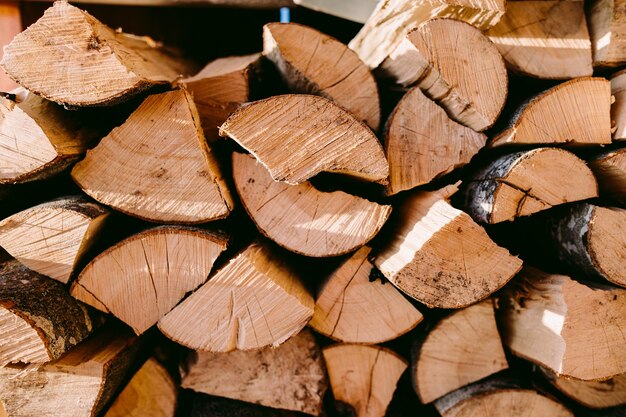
(369, 229)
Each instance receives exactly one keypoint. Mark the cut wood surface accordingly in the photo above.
(316, 223)
(51, 238)
(423, 143)
(610, 171)
(143, 277)
(461, 349)
(544, 39)
(71, 58)
(576, 112)
(580, 326)
(618, 109)
(10, 25)
(297, 136)
(363, 378)
(607, 25)
(440, 56)
(157, 166)
(291, 376)
(203, 405)
(439, 256)
(526, 182)
(220, 87)
(254, 301)
(151, 392)
(352, 309)
(36, 329)
(312, 62)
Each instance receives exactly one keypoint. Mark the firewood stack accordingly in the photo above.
(389, 232)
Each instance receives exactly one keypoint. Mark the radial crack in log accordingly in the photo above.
(610, 171)
(607, 25)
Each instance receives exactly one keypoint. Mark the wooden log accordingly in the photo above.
(391, 21)
(607, 26)
(254, 301)
(352, 309)
(290, 377)
(151, 392)
(314, 63)
(355, 10)
(440, 56)
(157, 166)
(297, 136)
(610, 171)
(439, 256)
(317, 224)
(52, 238)
(618, 109)
(363, 378)
(203, 405)
(576, 112)
(572, 328)
(545, 39)
(38, 318)
(423, 143)
(10, 25)
(143, 277)
(242, 4)
(526, 182)
(461, 349)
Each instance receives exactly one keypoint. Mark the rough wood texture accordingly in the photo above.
(252, 302)
(461, 349)
(157, 166)
(391, 20)
(203, 405)
(544, 39)
(607, 25)
(312, 62)
(291, 376)
(618, 109)
(581, 327)
(363, 378)
(52, 238)
(526, 182)
(422, 143)
(576, 112)
(71, 58)
(38, 318)
(352, 309)
(316, 223)
(440, 56)
(610, 171)
(439, 256)
(297, 136)
(10, 25)
(142, 278)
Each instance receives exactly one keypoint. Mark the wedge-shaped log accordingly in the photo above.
(610, 171)
(297, 136)
(252, 302)
(618, 109)
(143, 277)
(607, 24)
(157, 166)
(592, 394)
(312, 62)
(203, 405)
(526, 182)
(303, 219)
(290, 377)
(439, 256)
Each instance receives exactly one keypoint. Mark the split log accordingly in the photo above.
(440, 56)
(290, 377)
(440, 257)
(618, 109)
(314, 63)
(71, 58)
(151, 392)
(391, 20)
(220, 87)
(38, 318)
(610, 171)
(10, 25)
(607, 24)
(422, 143)
(142, 278)
(576, 112)
(592, 240)
(459, 350)
(252, 302)
(526, 182)
(356, 11)
(352, 309)
(363, 378)
(316, 223)
(80, 384)
(573, 329)
(203, 405)
(157, 166)
(53, 237)
(297, 136)
(544, 39)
